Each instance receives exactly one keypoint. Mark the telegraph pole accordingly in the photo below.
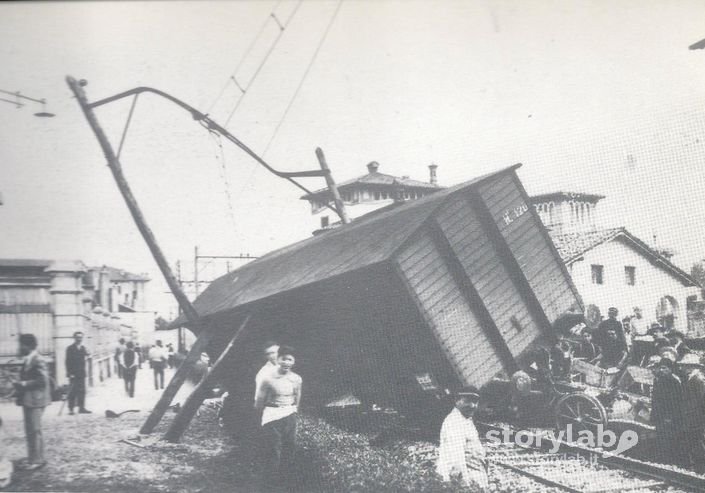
(339, 204)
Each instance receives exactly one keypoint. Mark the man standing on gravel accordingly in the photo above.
(33, 394)
(157, 361)
(461, 453)
(76, 355)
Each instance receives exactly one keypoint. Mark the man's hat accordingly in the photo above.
(469, 392)
(612, 310)
(669, 352)
(691, 359)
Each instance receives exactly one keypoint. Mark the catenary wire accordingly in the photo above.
(303, 78)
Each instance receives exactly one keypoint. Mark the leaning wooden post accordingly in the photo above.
(193, 402)
(339, 204)
(176, 382)
(186, 306)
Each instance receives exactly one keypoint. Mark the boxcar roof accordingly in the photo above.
(366, 241)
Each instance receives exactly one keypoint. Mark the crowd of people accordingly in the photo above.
(678, 391)
(33, 388)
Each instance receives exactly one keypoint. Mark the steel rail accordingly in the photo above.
(647, 470)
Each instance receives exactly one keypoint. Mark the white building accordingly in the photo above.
(612, 267)
(368, 193)
(123, 293)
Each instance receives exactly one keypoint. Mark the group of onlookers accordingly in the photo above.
(678, 392)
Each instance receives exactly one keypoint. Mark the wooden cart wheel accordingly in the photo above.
(582, 411)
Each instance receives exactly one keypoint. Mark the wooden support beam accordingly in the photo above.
(193, 402)
(472, 297)
(516, 274)
(176, 382)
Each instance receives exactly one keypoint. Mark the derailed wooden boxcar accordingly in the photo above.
(451, 289)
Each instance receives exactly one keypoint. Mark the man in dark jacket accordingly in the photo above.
(586, 350)
(33, 394)
(611, 323)
(76, 355)
(694, 411)
(129, 362)
(666, 412)
(613, 354)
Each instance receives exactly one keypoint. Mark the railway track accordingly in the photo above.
(578, 469)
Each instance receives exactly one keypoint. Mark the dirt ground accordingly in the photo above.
(84, 451)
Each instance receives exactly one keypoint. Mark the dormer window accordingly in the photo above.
(324, 221)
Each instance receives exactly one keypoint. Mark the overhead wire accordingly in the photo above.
(217, 140)
(303, 78)
(282, 28)
(244, 57)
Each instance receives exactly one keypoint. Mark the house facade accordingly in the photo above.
(613, 267)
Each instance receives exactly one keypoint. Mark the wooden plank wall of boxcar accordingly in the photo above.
(531, 247)
(488, 273)
(448, 314)
(358, 333)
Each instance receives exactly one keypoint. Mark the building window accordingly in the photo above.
(630, 275)
(378, 195)
(597, 274)
(385, 196)
(324, 221)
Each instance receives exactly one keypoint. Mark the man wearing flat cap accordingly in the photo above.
(667, 411)
(602, 339)
(694, 410)
(460, 453)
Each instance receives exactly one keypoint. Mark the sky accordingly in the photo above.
(590, 96)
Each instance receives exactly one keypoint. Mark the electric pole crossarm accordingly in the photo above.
(116, 169)
(210, 124)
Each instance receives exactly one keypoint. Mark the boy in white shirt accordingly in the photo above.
(279, 397)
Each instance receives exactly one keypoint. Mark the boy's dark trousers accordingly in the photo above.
(279, 441)
(77, 393)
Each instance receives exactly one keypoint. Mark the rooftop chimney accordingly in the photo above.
(434, 179)
(373, 167)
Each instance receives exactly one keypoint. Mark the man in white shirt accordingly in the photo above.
(641, 340)
(460, 452)
(271, 352)
(157, 361)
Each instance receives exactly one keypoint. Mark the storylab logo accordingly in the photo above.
(599, 438)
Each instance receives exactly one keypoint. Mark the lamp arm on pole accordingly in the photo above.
(211, 124)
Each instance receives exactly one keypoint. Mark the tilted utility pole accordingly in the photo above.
(339, 204)
(203, 333)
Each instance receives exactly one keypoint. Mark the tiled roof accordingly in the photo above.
(590, 197)
(353, 246)
(571, 246)
(119, 275)
(24, 262)
(377, 179)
